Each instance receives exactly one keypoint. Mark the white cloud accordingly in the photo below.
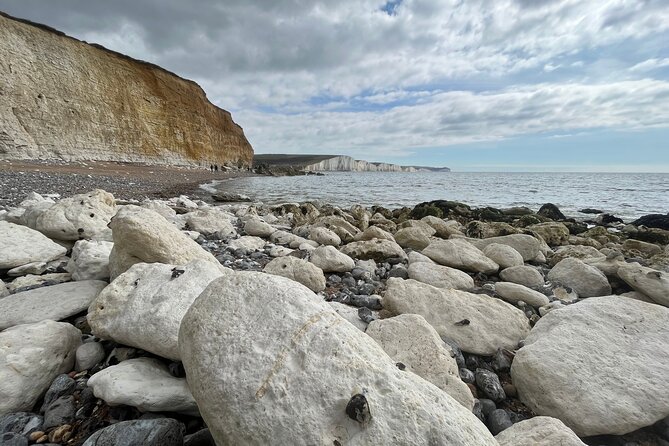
(650, 64)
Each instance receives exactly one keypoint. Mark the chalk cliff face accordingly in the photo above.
(348, 164)
(65, 99)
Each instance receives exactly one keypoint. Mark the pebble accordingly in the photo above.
(498, 420)
(488, 383)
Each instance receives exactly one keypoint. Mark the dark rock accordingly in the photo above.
(660, 221)
(502, 360)
(348, 282)
(455, 351)
(488, 383)
(360, 274)
(498, 421)
(161, 432)
(510, 391)
(12, 439)
(425, 209)
(606, 219)
(357, 409)
(334, 279)
(590, 211)
(518, 211)
(366, 289)
(61, 386)
(651, 235)
(226, 197)
(371, 302)
(491, 214)
(551, 211)
(527, 220)
(365, 315)
(22, 423)
(467, 376)
(400, 272)
(59, 412)
(576, 228)
(477, 410)
(394, 260)
(487, 406)
(200, 438)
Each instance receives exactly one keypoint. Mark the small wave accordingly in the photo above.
(211, 187)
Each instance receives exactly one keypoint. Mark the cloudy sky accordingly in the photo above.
(472, 84)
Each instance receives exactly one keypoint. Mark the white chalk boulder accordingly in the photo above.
(331, 260)
(585, 279)
(460, 254)
(298, 270)
(600, 366)
(289, 378)
(478, 323)
(538, 431)
(440, 276)
(31, 357)
(22, 245)
(90, 260)
(144, 306)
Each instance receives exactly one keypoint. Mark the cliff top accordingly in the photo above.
(59, 33)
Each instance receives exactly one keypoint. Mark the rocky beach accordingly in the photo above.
(179, 321)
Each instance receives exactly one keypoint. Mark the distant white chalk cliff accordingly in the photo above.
(347, 164)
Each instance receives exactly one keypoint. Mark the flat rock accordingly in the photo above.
(440, 276)
(155, 432)
(414, 238)
(289, 379)
(503, 255)
(258, 227)
(596, 365)
(211, 222)
(144, 383)
(585, 279)
(443, 228)
(651, 282)
(492, 323)
(32, 281)
(378, 250)
(523, 275)
(90, 260)
(31, 357)
(77, 217)
(460, 254)
(528, 247)
(324, 236)
(514, 292)
(292, 240)
(144, 306)
(373, 232)
(539, 431)
(21, 423)
(247, 242)
(142, 235)
(54, 302)
(22, 245)
(330, 259)
(410, 340)
(298, 270)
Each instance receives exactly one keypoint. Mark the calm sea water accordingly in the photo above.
(627, 195)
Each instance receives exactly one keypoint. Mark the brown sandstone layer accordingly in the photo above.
(61, 98)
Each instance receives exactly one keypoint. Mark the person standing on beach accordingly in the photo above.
(211, 167)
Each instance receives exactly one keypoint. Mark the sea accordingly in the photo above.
(625, 195)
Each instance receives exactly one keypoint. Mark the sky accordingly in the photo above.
(475, 85)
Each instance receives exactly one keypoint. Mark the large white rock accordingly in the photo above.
(440, 276)
(77, 217)
(90, 260)
(292, 240)
(258, 227)
(248, 242)
(373, 232)
(324, 236)
(329, 259)
(289, 378)
(600, 365)
(413, 237)
(528, 246)
(504, 255)
(211, 221)
(523, 275)
(22, 245)
(298, 270)
(409, 339)
(651, 282)
(586, 280)
(515, 292)
(142, 235)
(350, 314)
(31, 356)
(538, 431)
(54, 302)
(144, 383)
(493, 324)
(458, 253)
(378, 250)
(144, 306)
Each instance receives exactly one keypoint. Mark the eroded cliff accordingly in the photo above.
(66, 99)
